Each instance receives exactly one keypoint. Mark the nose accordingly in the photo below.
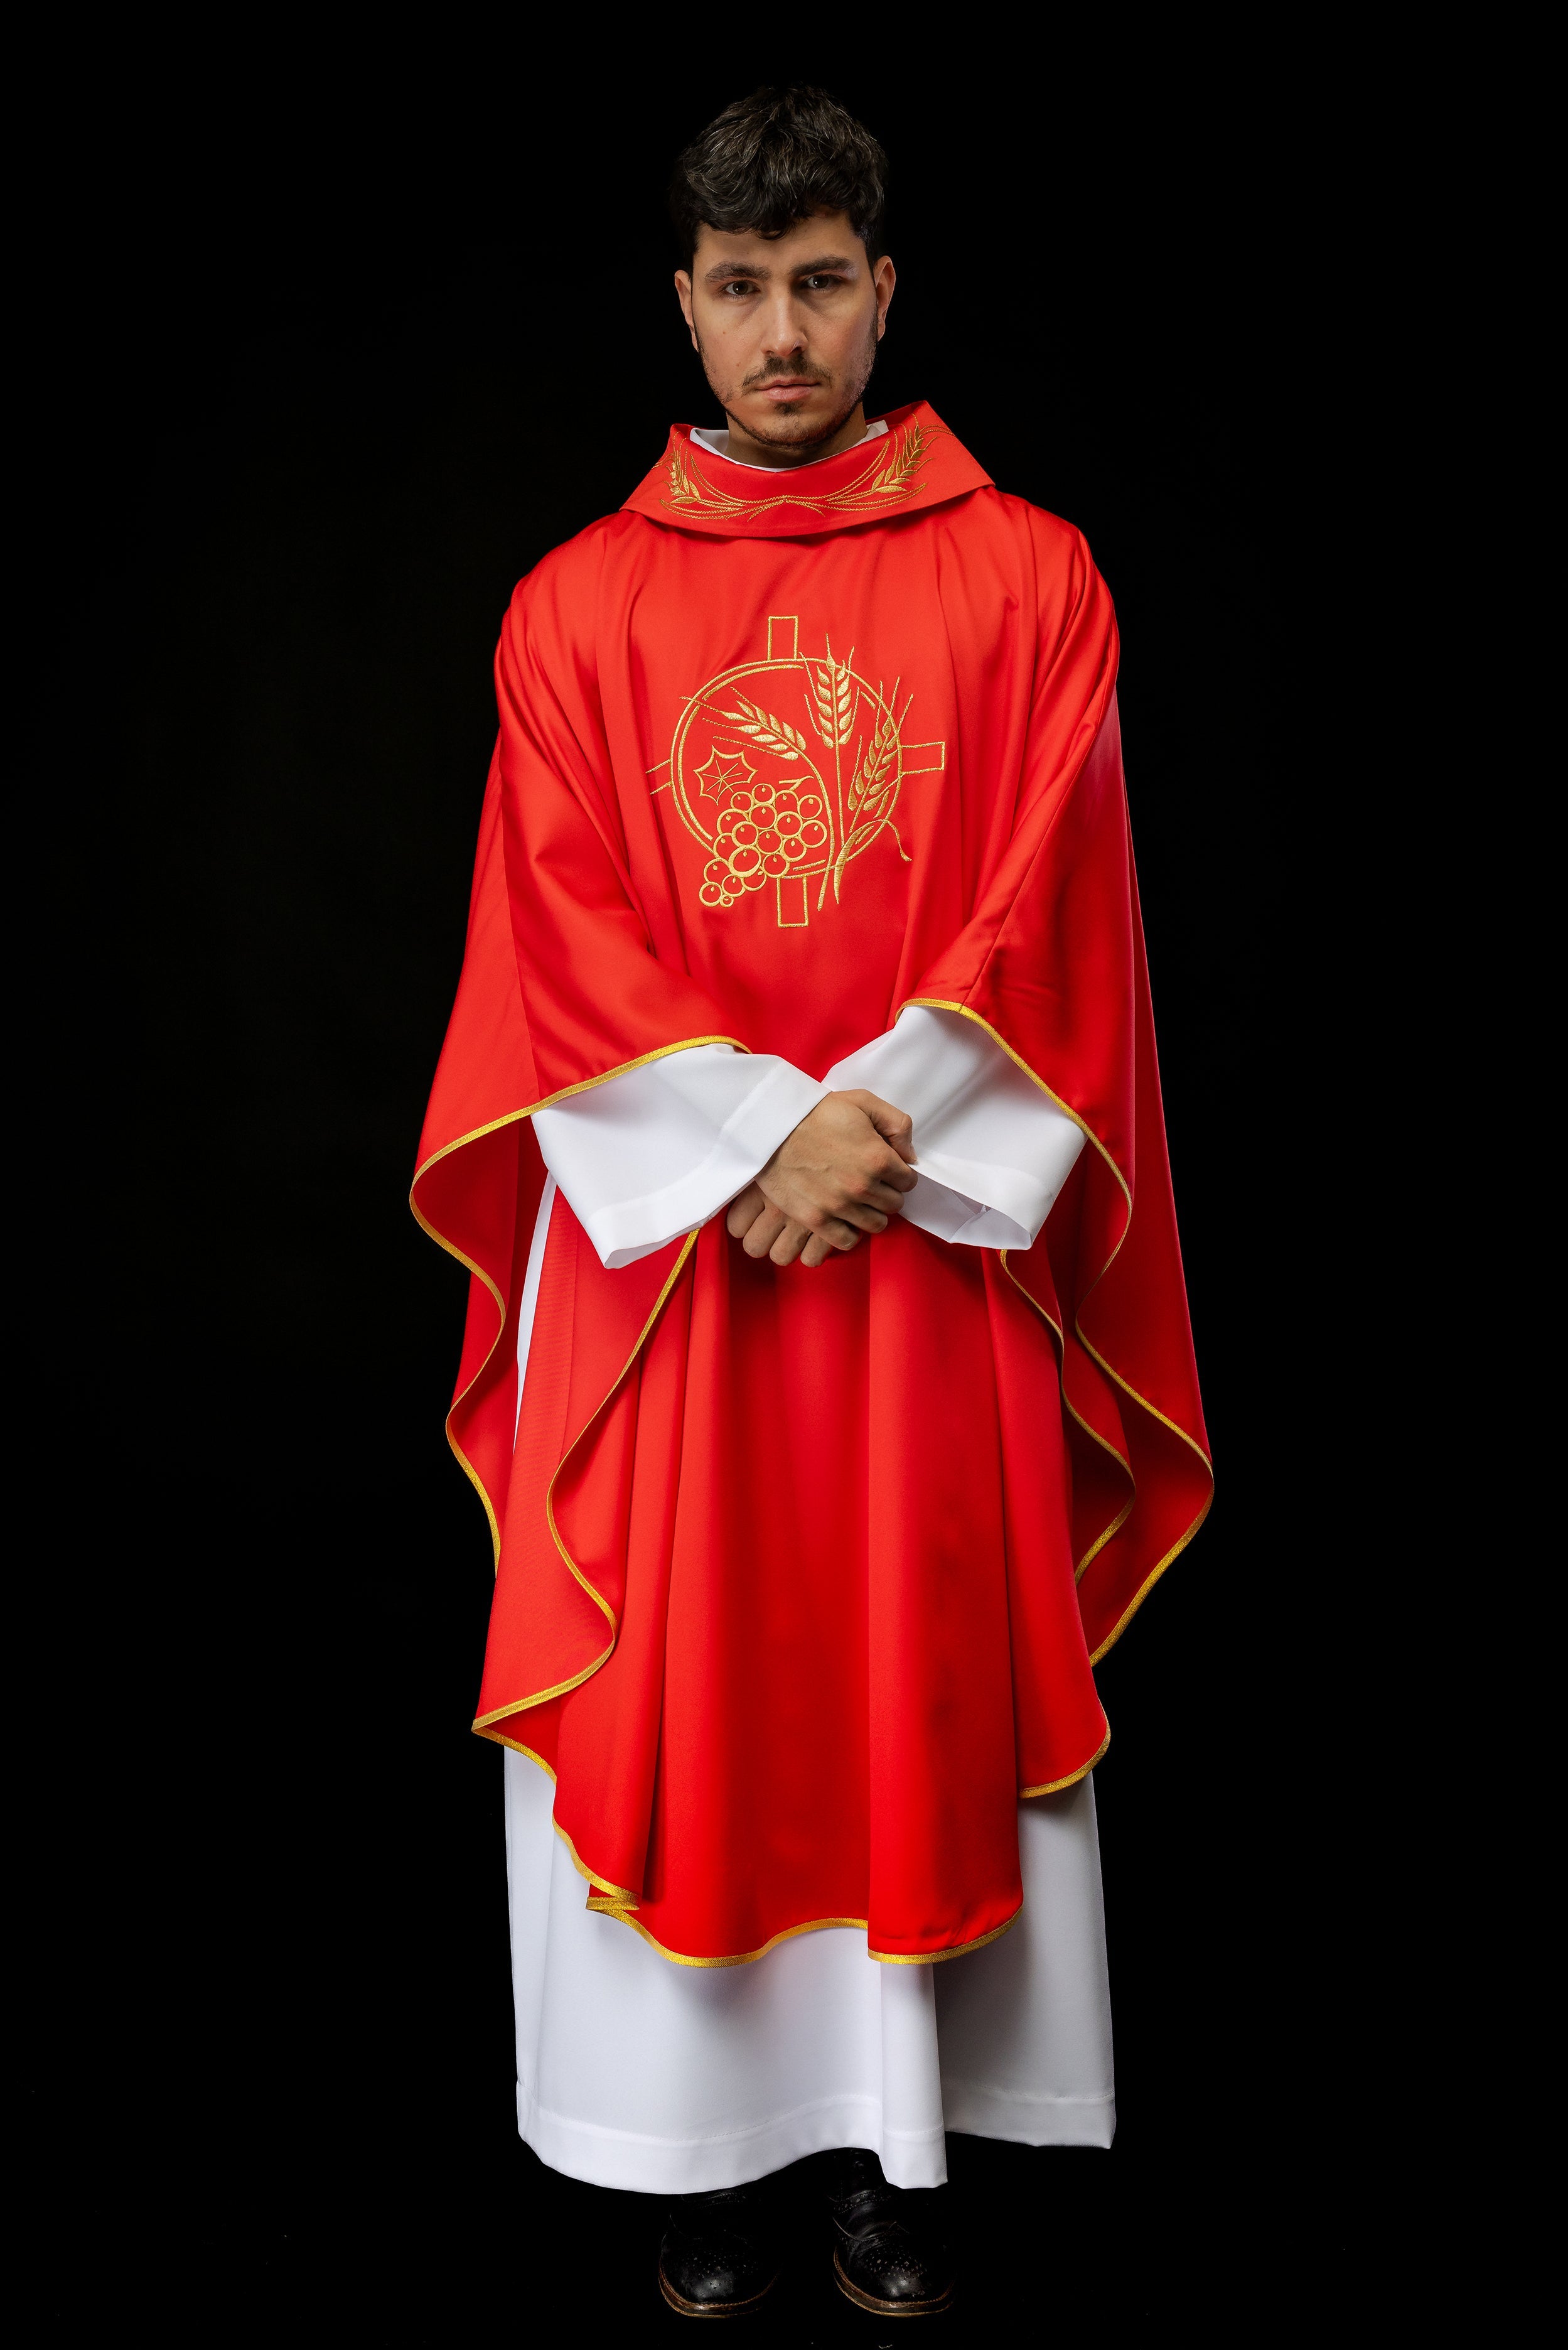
(783, 334)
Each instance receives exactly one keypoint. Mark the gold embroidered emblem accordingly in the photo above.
(773, 802)
(891, 475)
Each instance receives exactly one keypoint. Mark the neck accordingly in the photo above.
(751, 452)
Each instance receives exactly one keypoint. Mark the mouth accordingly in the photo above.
(783, 390)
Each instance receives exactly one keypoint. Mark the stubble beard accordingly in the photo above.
(798, 432)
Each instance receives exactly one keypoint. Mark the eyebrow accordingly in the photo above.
(723, 269)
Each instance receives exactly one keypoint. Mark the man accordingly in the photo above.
(827, 1377)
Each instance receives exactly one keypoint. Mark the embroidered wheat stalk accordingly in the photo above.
(832, 691)
(891, 475)
(769, 732)
(893, 479)
(833, 697)
(873, 779)
(871, 776)
(688, 490)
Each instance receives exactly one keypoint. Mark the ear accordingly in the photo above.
(683, 296)
(884, 277)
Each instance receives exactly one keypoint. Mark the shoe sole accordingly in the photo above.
(890, 2308)
(678, 2301)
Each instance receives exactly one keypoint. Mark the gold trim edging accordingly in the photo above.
(621, 1903)
(1119, 1521)
(542, 1697)
(1056, 1787)
(942, 1003)
(812, 1926)
(517, 1747)
(514, 1117)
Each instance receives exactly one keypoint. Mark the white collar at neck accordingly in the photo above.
(716, 440)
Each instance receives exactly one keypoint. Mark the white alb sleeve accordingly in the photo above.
(656, 1151)
(991, 1150)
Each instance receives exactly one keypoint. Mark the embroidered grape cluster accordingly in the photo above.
(762, 833)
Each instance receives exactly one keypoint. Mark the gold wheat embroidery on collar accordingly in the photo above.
(890, 476)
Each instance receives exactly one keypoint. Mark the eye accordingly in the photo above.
(739, 286)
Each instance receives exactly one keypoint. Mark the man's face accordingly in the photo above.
(787, 327)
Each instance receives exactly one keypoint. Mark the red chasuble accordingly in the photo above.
(801, 1575)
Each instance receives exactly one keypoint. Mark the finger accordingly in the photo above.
(789, 1244)
(764, 1231)
(887, 1174)
(818, 1251)
(745, 1209)
(895, 1125)
(865, 1220)
(897, 1173)
(841, 1236)
(892, 1166)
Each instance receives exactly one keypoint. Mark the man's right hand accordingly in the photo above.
(841, 1173)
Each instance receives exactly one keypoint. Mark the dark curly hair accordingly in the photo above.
(774, 159)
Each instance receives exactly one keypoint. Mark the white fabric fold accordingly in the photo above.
(992, 1150)
(656, 1151)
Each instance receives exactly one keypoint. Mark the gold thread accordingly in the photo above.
(891, 473)
(751, 805)
(1055, 1786)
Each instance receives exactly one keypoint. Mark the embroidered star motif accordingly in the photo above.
(723, 772)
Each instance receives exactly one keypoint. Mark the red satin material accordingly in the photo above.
(785, 1588)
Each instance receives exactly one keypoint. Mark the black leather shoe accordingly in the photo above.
(720, 2256)
(885, 2258)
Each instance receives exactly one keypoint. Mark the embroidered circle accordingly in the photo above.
(786, 770)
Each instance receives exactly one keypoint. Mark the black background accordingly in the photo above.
(327, 388)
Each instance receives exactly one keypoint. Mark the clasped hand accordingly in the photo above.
(840, 1174)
